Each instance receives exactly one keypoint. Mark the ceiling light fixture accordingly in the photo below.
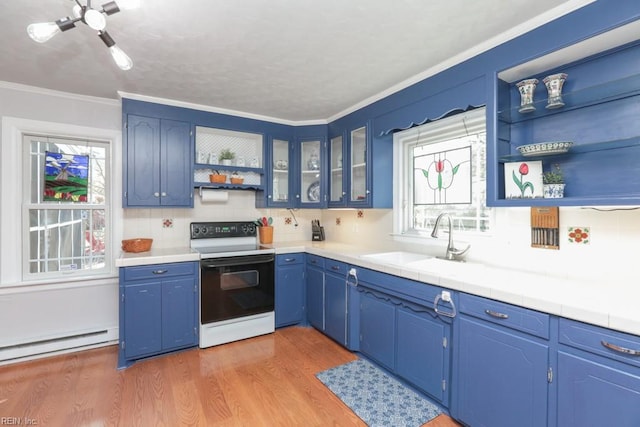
(95, 19)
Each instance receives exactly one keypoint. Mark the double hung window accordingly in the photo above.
(65, 206)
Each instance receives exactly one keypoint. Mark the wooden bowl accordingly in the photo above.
(136, 245)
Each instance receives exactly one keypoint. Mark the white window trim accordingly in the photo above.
(441, 130)
(12, 169)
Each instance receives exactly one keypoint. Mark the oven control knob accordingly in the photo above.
(203, 230)
(251, 229)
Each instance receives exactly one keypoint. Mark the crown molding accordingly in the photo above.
(58, 93)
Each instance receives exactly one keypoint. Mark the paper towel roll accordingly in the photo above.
(213, 196)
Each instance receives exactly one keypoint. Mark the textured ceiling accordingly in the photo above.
(293, 60)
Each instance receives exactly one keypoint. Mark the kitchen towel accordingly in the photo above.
(213, 196)
(375, 397)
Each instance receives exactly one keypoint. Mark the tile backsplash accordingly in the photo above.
(613, 234)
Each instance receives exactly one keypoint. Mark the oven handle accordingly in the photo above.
(236, 260)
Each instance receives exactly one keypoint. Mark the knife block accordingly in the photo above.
(545, 227)
(317, 235)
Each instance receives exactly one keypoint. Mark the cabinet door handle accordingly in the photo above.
(352, 273)
(156, 194)
(163, 194)
(335, 268)
(159, 271)
(289, 259)
(620, 349)
(496, 314)
(313, 261)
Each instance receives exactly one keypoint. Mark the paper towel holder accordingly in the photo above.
(222, 199)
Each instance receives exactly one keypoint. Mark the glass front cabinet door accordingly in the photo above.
(280, 173)
(337, 193)
(359, 193)
(310, 179)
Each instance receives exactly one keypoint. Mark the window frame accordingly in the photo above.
(11, 221)
(34, 202)
(447, 128)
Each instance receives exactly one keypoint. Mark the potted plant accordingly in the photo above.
(553, 183)
(226, 156)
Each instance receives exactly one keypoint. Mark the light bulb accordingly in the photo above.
(43, 31)
(128, 4)
(122, 59)
(77, 11)
(95, 19)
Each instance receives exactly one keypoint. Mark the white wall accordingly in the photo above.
(38, 312)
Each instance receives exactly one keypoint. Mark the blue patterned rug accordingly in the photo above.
(375, 397)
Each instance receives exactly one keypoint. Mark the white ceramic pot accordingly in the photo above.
(527, 89)
(553, 191)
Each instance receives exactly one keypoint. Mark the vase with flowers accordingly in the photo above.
(553, 183)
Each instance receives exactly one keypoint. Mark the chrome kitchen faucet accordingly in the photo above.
(452, 254)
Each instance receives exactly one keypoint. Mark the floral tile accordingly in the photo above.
(580, 235)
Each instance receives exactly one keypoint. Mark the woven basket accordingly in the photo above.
(218, 178)
(136, 245)
(236, 180)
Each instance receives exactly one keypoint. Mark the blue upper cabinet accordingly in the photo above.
(280, 171)
(596, 112)
(354, 155)
(157, 162)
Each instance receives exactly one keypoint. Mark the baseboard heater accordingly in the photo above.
(43, 347)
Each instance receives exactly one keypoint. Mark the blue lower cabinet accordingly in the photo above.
(423, 352)
(290, 289)
(315, 297)
(502, 376)
(143, 313)
(598, 376)
(335, 301)
(378, 328)
(178, 313)
(158, 310)
(593, 394)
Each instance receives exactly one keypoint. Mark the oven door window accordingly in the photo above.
(232, 291)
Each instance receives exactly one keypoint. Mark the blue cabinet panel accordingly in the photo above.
(142, 162)
(290, 285)
(335, 303)
(592, 394)
(377, 328)
(142, 311)
(502, 377)
(518, 318)
(315, 297)
(178, 313)
(176, 174)
(423, 351)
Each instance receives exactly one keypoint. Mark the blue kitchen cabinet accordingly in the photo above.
(353, 157)
(423, 350)
(502, 368)
(335, 303)
(598, 377)
(158, 162)
(158, 310)
(179, 313)
(315, 291)
(281, 172)
(378, 328)
(143, 313)
(290, 289)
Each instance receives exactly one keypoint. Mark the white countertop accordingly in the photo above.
(613, 304)
(610, 304)
(157, 256)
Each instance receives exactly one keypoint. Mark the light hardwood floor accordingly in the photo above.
(263, 381)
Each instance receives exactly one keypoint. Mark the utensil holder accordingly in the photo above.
(266, 234)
